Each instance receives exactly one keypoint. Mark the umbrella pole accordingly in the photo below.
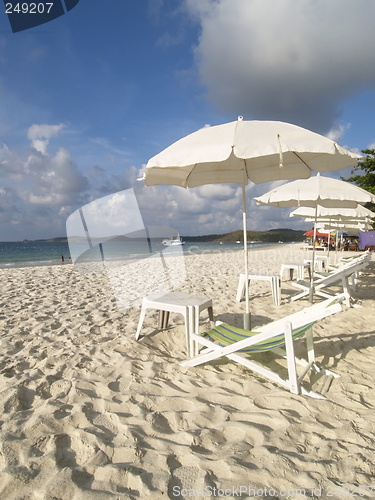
(311, 292)
(328, 242)
(246, 315)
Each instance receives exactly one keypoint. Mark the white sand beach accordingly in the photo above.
(86, 412)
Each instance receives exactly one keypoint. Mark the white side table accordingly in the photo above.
(299, 267)
(321, 261)
(190, 306)
(274, 280)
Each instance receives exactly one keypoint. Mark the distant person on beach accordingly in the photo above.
(62, 259)
(70, 260)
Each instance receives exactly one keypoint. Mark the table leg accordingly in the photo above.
(211, 316)
(275, 283)
(189, 328)
(194, 350)
(161, 319)
(140, 323)
(166, 319)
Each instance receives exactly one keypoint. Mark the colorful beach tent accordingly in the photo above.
(365, 239)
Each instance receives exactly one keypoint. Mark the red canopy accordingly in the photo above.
(310, 234)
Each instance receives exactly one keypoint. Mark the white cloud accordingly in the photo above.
(337, 131)
(216, 191)
(41, 134)
(293, 62)
(44, 131)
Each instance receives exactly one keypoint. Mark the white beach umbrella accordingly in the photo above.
(236, 152)
(315, 192)
(333, 213)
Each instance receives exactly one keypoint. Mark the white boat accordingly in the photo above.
(173, 242)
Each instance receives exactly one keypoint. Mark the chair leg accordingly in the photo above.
(310, 346)
(292, 371)
(345, 287)
(241, 288)
(300, 295)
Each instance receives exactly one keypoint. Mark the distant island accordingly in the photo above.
(270, 236)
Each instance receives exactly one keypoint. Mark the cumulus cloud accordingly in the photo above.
(51, 181)
(337, 131)
(44, 131)
(293, 62)
(211, 209)
(41, 134)
(216, 191)
(33, 189)
(39, 191)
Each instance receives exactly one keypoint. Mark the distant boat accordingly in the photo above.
(281, 241)
(173, 242)
(238, 242)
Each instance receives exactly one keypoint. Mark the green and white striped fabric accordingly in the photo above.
(225, 335)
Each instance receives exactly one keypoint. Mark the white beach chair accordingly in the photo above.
(344, 277)
(236, 344)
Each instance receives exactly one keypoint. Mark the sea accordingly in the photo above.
(48, 253)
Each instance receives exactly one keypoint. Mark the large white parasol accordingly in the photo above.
(236, 152)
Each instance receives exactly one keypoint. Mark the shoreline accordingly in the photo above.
(44, 263)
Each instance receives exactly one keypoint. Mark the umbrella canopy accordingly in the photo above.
(236, 152)
(310, 234)
(262, 150)
(317, 191)
(359, 225)
(333, 213)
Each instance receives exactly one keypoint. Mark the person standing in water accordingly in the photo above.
(62, 259)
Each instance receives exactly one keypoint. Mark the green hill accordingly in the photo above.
(271, 236)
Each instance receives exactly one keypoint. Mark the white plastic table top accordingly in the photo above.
(173, 301)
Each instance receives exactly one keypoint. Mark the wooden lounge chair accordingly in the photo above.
(236, 344)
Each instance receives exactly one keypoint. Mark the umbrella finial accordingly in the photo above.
(240, 118)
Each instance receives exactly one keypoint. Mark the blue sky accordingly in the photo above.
(88, 98)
